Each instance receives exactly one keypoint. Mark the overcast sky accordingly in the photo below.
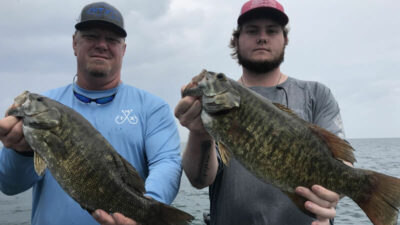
(353, 47)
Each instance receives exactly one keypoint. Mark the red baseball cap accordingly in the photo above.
(265, 8)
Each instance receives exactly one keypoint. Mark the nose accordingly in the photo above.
(101, 43)
(262, 41)
(263, 38)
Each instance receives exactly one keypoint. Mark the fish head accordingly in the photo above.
(218, 94)
(36, 110)
(28, 104)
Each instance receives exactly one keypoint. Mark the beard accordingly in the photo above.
(260, 67)
(98, 70)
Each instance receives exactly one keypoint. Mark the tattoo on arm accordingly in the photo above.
(204, 167)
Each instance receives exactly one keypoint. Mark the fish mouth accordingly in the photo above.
(195, 92)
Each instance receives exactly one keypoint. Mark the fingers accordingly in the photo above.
(6, 124)
(188, 111)
(123, 220)
(11, 134)
(322, 202)
(320, 222)
(103, 218)
(115, 219)
(319, 195)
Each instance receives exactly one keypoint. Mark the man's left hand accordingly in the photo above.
(114, 219)
(321, 202)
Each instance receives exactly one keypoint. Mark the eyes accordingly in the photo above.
(220, 76)
(255, 30)
(93, 37)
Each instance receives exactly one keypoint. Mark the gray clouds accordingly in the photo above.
(350, 46)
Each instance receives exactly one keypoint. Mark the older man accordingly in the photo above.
(138, 124)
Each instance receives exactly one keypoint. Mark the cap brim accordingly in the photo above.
(264, 12)
(100, 23)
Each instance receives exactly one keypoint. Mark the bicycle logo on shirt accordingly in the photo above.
(126, 116)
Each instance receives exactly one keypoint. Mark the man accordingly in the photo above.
(236, 196)
(139, 125)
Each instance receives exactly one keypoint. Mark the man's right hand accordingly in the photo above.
(11, 134)
(188, 112)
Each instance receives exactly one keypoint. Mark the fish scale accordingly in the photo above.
(85, 165)
(280, 148)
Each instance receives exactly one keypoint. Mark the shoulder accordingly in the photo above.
(314, 86)
(313, 89)
(141, 95)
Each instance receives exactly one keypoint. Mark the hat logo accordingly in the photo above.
(108, 13)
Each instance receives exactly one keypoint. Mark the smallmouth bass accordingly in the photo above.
(85, 165)
(280, 148)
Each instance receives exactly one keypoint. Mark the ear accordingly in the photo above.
(286, 41)
(123, 48)
(74, 43)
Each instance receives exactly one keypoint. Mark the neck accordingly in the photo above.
(98, 83)
(269, 79)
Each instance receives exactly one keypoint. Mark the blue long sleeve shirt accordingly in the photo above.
(139, 125)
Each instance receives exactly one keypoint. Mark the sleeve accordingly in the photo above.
(327, 111)
(162, 145)
(17, 172)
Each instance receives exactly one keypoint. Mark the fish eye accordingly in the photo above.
(220, 76)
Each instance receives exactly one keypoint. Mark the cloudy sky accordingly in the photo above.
(351, 46)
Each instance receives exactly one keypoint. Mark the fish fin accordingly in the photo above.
(168, 215)
(341, 149)
(128, 174)
(286, 109)
(39, 164)
(32, 136)
(382, 204)
(224, 153)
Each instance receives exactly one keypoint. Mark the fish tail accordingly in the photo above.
(383, 203)
(172, 216)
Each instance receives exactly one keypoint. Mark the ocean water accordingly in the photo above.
(381, 155)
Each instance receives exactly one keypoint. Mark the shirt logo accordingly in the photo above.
(126, 116)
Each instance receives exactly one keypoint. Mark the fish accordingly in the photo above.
(281, 149)
(85, 164)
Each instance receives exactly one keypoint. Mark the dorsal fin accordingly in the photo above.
(286, 109)
(340, 148)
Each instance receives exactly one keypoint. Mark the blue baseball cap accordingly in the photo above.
(101, 14)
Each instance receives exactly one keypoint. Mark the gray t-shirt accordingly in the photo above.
(238, 197)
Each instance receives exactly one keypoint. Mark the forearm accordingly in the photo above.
(163, 181)
(200, 160)
(16, 172)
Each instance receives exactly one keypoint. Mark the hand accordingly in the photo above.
(321, 202)
(11, 134)
(188, 111)
(114, 219)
